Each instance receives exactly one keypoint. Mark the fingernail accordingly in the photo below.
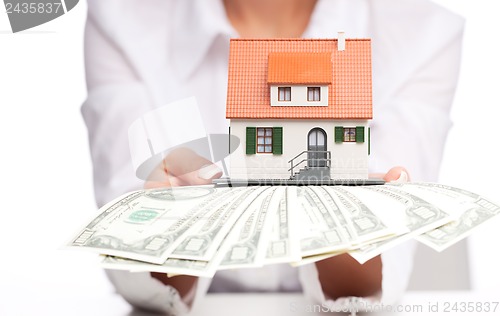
(207, 172)
(403, 177)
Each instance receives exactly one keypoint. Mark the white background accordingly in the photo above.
(45, 172)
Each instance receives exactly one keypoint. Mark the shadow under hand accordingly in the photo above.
(141, 312)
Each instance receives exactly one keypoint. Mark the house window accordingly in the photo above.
(349, 134)
(264, 140)
(284, 93)
(313, 94)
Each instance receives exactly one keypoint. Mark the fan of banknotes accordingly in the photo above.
(199, 230)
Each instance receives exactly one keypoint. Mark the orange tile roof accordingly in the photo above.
(349, 93)
(299, 68)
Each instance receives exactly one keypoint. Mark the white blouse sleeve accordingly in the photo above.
(116, 98)
(143, 291)
(414, 87)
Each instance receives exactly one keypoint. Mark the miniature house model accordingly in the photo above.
(300, 108)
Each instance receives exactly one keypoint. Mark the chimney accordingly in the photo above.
(341, 41)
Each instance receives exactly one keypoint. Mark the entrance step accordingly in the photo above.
(312, 174)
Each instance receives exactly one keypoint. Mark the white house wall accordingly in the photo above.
(298, 96)
(349, 160)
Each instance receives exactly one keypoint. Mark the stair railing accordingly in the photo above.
(328, 159)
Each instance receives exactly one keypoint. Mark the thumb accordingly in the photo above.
(190, 168)
(397, 174)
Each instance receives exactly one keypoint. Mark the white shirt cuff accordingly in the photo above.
(143, 291)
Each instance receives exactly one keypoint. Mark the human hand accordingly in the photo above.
(395, 174)
(180, 167)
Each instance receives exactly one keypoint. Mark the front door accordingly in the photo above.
(316, 145)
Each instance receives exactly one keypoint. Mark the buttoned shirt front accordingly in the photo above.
(141, 55)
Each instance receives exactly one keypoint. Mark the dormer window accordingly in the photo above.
(298, 95)
(313, 94)
(284, 93)
(299, 78)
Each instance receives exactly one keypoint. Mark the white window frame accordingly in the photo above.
(265, 141)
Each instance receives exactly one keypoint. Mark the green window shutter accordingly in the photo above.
(339, 134)
(251, 139)
(368, 141)
(277, 140)
(360, 134)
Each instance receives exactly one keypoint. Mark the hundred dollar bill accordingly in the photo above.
(283, 244)
(319, 229)
(170, 266)
(312, 259)
(208, 232)
(360, 220)
(247, 243)
(414, 213)
(471, 212)
(144, 225)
